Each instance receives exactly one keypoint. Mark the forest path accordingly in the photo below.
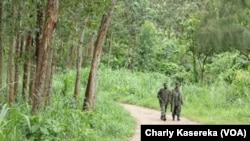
(144, 115)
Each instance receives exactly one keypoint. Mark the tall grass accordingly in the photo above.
(132, 87)
(213, 104)
(65, 121)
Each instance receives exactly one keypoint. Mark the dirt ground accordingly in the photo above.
(150, 116)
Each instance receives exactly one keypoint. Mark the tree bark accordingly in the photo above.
(35, 50)
(26, 52)
(11, 71)
(49, 74)
(90, 93)
(70, 58)
(39, 23)
(32, 73)
(19, 44)
(53, 66)
(1, 53)
(79, 64)
(88, 52)
(49, 26)
(11, 57)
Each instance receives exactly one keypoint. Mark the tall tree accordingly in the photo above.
(93, 75)
(222, 29)
(33, 50)
(19, 43)
(44, 48)
(89, 51)
(79, 63)
(48, 77)
(147, 41)
(1, 52)
(26, 65)
(11, 56)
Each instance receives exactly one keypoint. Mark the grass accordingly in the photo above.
(63, 120)
(213, 104)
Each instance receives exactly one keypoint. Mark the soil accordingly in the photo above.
(149, 116)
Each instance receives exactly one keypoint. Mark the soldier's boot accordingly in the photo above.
(173, 117)
(178, 118)
(161, 117)
(164, 118)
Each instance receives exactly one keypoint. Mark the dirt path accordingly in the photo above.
(150, 116)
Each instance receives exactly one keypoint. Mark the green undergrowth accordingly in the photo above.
(63, 119)
(107, 121)
(217, 103)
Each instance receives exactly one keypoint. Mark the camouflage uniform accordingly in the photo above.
(176, 103)
(164, 97)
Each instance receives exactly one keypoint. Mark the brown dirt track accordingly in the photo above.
(149, 116)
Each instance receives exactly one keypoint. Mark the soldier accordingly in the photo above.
(176, 102)
(164, 97)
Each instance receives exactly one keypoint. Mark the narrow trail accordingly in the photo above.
(149, 116)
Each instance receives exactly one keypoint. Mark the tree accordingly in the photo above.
(26, 65)
(11, 56)
(44, 49)
(146, 50)
(221, 30)
(79, 63)
(1, 52)
(34, 49)
(93, 75)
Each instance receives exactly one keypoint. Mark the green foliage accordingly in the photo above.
(153, 36)
(64, 119)
(218, 102)
(241, 84)
(224, 30)
(147, 43)
(130, 87)
(215, 104)
(223, 65)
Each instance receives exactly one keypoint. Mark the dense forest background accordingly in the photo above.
(47, 48)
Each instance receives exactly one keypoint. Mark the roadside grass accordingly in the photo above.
(217, 103)
(64, 120)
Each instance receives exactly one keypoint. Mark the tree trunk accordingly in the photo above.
(39, 24)
(195, 73)
(11, 56)
(49, 74)
(26, 53)
(53, 65)
(11, 71)
(1, 54)
(93, 75)
(88, 52)
(110, 48)
(35, 50)
(79, 64)
(19, 44)
(32, 72)
(49, 26)
(202, 63)
(70, 58)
